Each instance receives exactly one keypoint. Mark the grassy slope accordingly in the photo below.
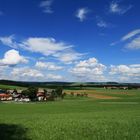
(10, 87)
(74, 118)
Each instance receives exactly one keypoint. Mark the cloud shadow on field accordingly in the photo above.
(13, 132)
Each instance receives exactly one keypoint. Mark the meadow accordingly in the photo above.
(104, 115)
(10, 87)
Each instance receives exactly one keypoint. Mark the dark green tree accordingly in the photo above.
(53, 93)
(59, 91)
(15, 91)
(52, 96)
(30, 92)
(45, 91)
(25, 93)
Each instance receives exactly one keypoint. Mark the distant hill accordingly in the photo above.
(65, 84)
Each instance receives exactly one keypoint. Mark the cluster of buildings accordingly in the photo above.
(16, 95)
(5, 96)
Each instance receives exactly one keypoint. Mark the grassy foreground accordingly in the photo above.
(74, 118)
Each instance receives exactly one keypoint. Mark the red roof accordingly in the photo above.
(40, 94)
(5, 95)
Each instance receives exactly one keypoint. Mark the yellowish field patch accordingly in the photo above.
(92, 93)
(97, 96)
(99, 92)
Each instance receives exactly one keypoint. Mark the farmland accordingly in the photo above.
(103, 115)
(10, 87)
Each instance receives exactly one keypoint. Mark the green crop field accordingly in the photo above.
(10, 87)
(104, 115)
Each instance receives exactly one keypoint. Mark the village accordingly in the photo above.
(25, 96)
(40, 94)
(33, 94)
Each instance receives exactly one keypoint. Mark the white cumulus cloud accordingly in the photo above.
(12, 57)
(127, 72)
(89, 69)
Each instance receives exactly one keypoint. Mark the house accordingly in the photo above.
(16, 96)
(23, 100)
(10, 91)
(5, 97)
(40, 94)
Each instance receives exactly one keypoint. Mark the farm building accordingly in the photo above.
(40, 96)
(4, 96)
(43, 94)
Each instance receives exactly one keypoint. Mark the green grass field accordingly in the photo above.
(74, 118)
(10, 87)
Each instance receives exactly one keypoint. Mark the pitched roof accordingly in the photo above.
(5, 95)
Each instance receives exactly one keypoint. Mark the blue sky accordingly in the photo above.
(70, 40)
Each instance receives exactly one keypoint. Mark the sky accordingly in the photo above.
(70, 40)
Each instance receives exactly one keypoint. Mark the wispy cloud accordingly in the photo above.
(101, 23)
(114, 43)
(46, 5)
(48, 66)
(130, 35)
(68, 56)
(9, 41)
(50, 47)
(134, 44)
(131, 40)
(81, 13)
(116, 7)
(46, 46)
